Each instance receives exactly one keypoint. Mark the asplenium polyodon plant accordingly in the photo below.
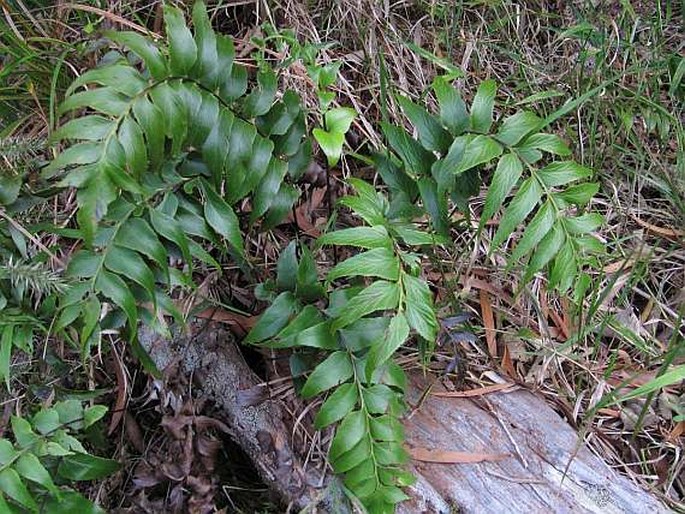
(44, 455)
(167, 143)
(455, 144)
(375, 300)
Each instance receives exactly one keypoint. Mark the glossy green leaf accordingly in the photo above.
(103, 99)
(144, 48)
(349, 432)
(380, 295)
(363, 237)
(12, 486)
(167, 227)
(116, 290)
(479, 150)
(151, 121)
(415, 237)
(584, 224)
(82, 153)
(71, 501)
(419, 307)
(182, 47)
(453, 113)
(546, 250)
(29, 467)
(483, 106)
(353, 457)
(136, 234)
(286, 268)
(395, 336)
(128, 263)
(378, 262)
(331, 144)
(337, 405)
(435, 204)
(378, 397)
(525, 200)
(417, 160)
(131, 139)
(516, 127)
(444, 170)
(273, 319)
(6, 353)
(562, 172)
(550, 143)
(22, 431)
(538, 228)
(318, 336)
(91, 128)
(268, 188)
(339, 119)
(222, 219)
(579, 194)
(564, 268)
(364, 332)
(334, 370)
(7, 452)
(259, 101)
(46, 421)
(207, 64)
(431, 134)
(508, 171)
(121, 77)
(93, 414)
(81, 466)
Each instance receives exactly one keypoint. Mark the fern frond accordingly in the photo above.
(161, 158)
(445, 163)
(361, 329)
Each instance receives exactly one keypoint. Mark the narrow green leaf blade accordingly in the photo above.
(508, 171)
(524, 202)
(12, 485)
(483, 106)
(431, 134)
(563, 172)
(419, 307)
(273, 319)
(453, 113)
(396, 335)
(334, 370)
(381, 295)
(378, 262)
(516, 127)
(363, 237)
(182, 47)
(337, 406)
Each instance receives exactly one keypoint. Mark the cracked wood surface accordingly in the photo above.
(539, 444)
(536, 441)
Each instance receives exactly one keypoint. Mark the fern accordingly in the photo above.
(368, 317)
(170, 143)
(444, 163)
(44, 454)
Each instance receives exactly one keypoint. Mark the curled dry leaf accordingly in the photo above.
(452, 457)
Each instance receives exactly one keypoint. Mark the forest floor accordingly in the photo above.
(620, 68)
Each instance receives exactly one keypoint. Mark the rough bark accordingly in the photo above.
(535, 441)
(539, 445)
(213, 359)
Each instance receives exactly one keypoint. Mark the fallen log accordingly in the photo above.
(539, 465)
(506, 451)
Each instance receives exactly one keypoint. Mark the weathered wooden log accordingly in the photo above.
(530, 443)
(543, 469)
(213, 359)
